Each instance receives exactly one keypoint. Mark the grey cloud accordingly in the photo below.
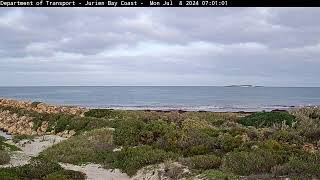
(144, 46)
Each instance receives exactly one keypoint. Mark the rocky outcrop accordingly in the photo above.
(16, 125)
(42, 107)
(23, 125)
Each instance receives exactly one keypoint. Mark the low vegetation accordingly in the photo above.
(203, 162)
(5, 148)
(268, 119)
(131, 159)
(40, 169)
(94, 146)
(212, 145)
(17, 138)
(57, 122)
(4, 157)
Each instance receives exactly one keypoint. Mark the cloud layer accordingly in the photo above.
(160, 46)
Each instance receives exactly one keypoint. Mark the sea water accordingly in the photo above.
(206, 98)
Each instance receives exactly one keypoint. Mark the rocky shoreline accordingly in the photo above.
(12, 123)
(42, 107)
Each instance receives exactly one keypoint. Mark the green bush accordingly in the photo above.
(217, 175)
(302, 167)
(127, 132)
(17, 138)
(62, 123)
(228, 142)
(6, 146)
(103, 113)
(160, 134)
(311, 134)
(154, 130)
(195, 142)
(252, 162)
(272, 144)
(203, 162)
(65, 175)
(131, 159)
(4, 157)
(267, 119)
(287, 137)
(39, 168)
(94, 146)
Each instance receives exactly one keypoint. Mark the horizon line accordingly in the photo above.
(232, 86)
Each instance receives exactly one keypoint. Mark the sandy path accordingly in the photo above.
(96, 172)
(32, 148)
(38, 144)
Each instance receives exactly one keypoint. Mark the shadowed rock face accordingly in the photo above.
(23, 125)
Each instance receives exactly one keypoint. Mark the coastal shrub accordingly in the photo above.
(268, 119)
(252, 133)
(301, 167)
(195, 123)
(65, 175)
(160, 134)
(272, 144)
(217, 175)
(311, 134)
(195, 142)
(196, 138)
(127, 132)
(62, 123)
(11, 147)
(8, 175)
(93, 146)
(17, 138)
(287, 137)
(94, 123)
(203, 162)
(57, 122)
(4, 157)
(5, 146)
(131, 159)
(309, 112)
(103, 113)
(251, 162)
(78, 124)
(228, 142)
(153, 131)
(38, 168)
(214, 118)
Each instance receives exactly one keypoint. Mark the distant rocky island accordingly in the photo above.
(243, 85)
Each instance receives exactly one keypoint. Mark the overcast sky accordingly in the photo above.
(160, 46)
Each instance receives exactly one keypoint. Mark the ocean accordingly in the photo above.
(190, 98)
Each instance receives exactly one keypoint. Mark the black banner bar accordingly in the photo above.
(160, 3)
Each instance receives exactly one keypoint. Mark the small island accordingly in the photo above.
(244, 85)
